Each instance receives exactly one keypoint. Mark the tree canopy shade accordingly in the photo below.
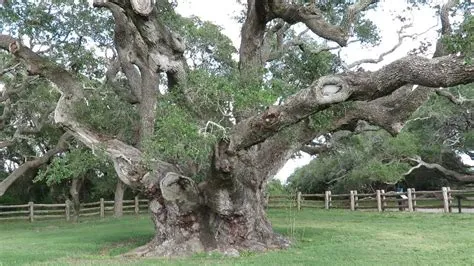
(198, 133)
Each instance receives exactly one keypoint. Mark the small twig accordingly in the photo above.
(456, 100)
(9, 69)
(391, 50)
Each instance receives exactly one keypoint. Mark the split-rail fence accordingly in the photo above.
(33, 211)
(444, 200)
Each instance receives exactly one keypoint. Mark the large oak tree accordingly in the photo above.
(223, 209)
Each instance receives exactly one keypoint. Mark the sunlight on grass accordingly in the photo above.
(319, 238)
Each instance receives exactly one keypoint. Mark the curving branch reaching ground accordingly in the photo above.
(453, 174)
(34, 164)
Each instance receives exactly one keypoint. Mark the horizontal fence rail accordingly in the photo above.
(33, 211)
(424, 201)
(443, 200)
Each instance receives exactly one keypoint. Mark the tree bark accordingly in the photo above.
(450, 173)
(226, 211)
(118, 198)
(33, 164)
(74, 191)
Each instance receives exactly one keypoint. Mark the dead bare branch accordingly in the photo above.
(391, 50)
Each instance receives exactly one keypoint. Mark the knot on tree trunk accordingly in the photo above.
(331, 89)
(143, 7)
(14, 47)
(180, 190)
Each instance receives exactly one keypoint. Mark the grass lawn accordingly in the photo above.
(321, 237)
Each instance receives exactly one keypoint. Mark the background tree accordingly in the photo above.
(201, 140)
(432, 140)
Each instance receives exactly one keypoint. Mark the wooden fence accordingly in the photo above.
(411, 200)
(102, 208)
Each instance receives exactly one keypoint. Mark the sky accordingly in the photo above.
(223, 12)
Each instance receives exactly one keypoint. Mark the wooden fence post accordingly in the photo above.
(413, 197)
(356, 200)
(384, 202)
(459, 204)
(352, 201)
(450, 200)
(379, 201)
(330, 199)
(32, 211)
(298, 200)
(445, 199)
(68, 210)
(102, 208)
(137, 205)
(410, 202)
(326, 200)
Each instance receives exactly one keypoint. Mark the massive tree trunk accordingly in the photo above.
(118, 198)
(226, 211)
(74, 191)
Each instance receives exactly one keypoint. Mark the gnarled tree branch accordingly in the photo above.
(437, 72)
(314, 19)
(458, 176)
(34, 164)
(128, 160)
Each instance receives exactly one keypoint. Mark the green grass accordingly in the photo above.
(334, 237)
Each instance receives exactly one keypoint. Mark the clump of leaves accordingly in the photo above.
(179, 139)
(72, 164)
(105, 112)
(463, 39)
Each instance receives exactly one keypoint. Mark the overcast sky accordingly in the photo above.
(223, 12)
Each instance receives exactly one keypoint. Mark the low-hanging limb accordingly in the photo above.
(456, 175)
(61, 146)
(128, 160)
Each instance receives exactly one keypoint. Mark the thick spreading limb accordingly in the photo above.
(33, 164)
(128, 160)
(314, 19)
(444, 71)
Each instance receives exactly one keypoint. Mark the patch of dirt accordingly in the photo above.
(105, 251)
